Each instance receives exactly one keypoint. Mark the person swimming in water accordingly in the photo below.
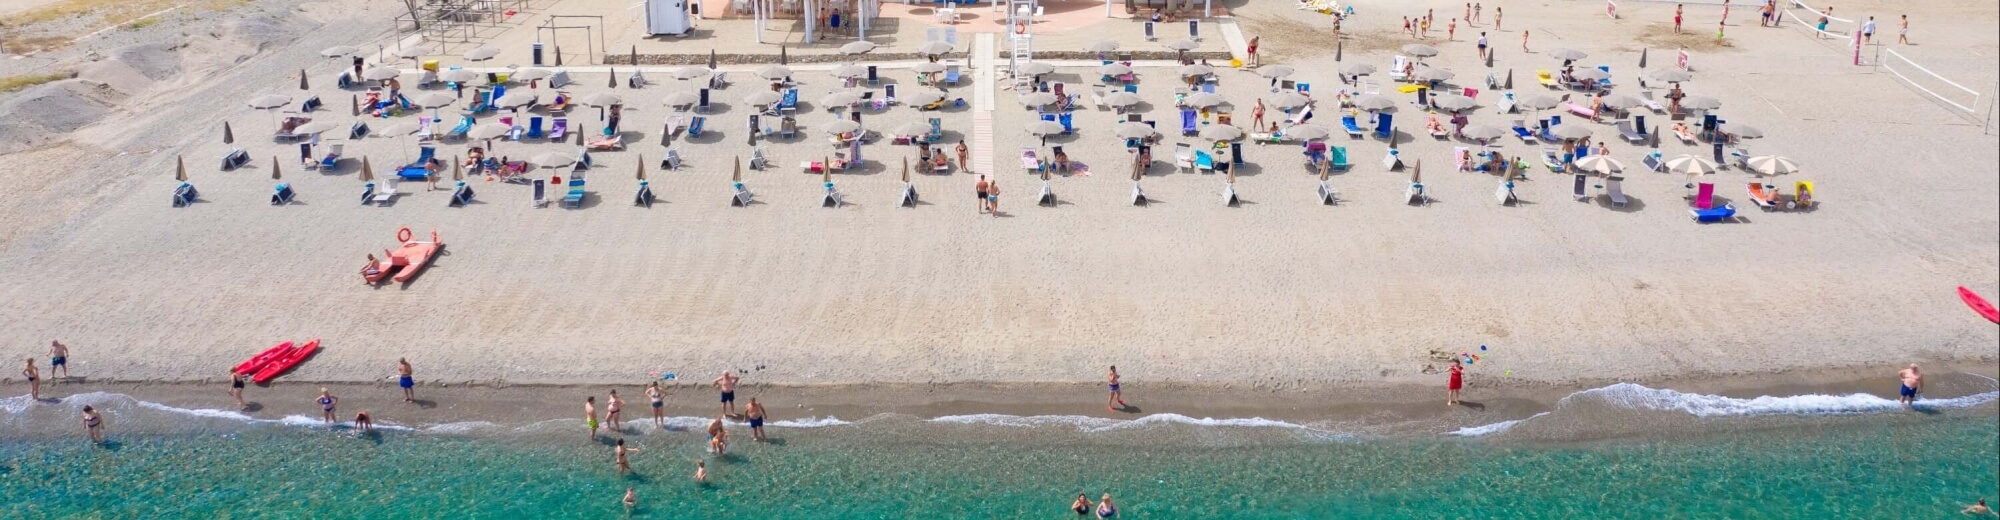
(93, 424)
(613, 405)
(364, 423)
(590, 415)
(755, 412)
(618, 453)
(327, 402)
(1104, 507)
(659, 401)
(1081, 506)
(700, 471)
(1978, 509)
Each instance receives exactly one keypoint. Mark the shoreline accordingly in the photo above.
(1377, 409)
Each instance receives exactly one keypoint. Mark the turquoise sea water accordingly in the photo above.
(1865, 462)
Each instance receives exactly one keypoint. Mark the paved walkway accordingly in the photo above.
(983, 64)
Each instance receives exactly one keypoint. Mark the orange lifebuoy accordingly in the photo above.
(404, 235)
(1020, 28)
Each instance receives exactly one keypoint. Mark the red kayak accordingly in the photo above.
(258, 361)
(1979, 305)
(282, 364)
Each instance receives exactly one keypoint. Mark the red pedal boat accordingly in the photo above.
(286, 362)
(405, 261)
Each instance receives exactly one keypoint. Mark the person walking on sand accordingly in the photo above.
(236, 389)
(327, 402)
(964, 157)
(1496, 18)
(1821, 27)
(1482, 45)
(364, 423)
(1252, 51)
(979, 188)
(755, 413)
(1257, 115)
(1524, 41)
(1456, 383)
(1913, 386)
(1868, 31)
(701, 471)
(1117, 399)
(618, 453)
(1903, 31)
(726, 385)
(1476, 8)
(993, 197)
(404, 379)
(34, 380)
(658, 398)
(590, 415)
(59, 357)
(613, 406)
(1451, 31)
(1105, 509)
(93, 424)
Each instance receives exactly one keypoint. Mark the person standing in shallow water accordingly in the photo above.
(590, 415)
(93, 424)
(34, 376)
(755, 413)
(658, 398)
(327, 402)
(1117, 399)
(1456, 383)
(1913, 386)
(613, 405)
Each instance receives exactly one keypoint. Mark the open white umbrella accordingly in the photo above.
(1220, 133)
(1568, 54)
(1570, 131)
(922, 97)
(484, 131)
(850, 71)
(1183, 44)
(459, 76)
(1539, 102)
(1431, 74)
(1204, 100)
(516, 99)
(840, 126)
(1196, 70)
(339, 51)
(531, 74)
(1037, 99)
(1740, 130)
(928, 67)
(1453, 102)
(1772, 165)
(1100, 46)
(858, 47)
(1289, 100)
(1420, 50)
(482, 53)
(380, 73)
(600, 99)
(934, 48)
(912, 128)
(1599, 164)
(1275, 71)
(774, 72)
(1122, 99)
(1690, 165)
(269, 101)
(400, 128)
(763, 97)
(1486, 132)
(1700, 103)
(413, 51)
(1308, 132)
(313, 128)
(1671, 75)
(1114, 69)
(1044, 128)
(1373, 102)
(1621, 101)
(687, 73)
(839, 99)
(1591, 75)
(681, 99)
(553, 160)
(1357, 69)
(1037, 68)
(1130, 130)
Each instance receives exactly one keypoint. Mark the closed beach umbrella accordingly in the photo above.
(641, 173)
(180, 169)
(516, 99)
(934, 48)
(1486, 132)
(1373, 102)
(686, 73)
(1204, 100)
(1044, 128)
(1568, 54)
(1196, 70)
(1220, 133)
(928, 67)
(1115, 69)
(482, 53)
(1100, 46)
(302, 80)
(774, 72)
(275, 167)
(762, 97)
(1290, 100)
(1183, 44)
(1539, 102)
(1620, 101)
(1122, 99)
(839, 99)
(380, 73)
(1671, 75)
(681, 99)
(1453, 102)
(228, 135)
(859, 47)
(1420, 50)
(850, 71)
(1570, 131)
(1308, 132)
(1275, 71)
(459, 76)
(925, 97)
(1741, 131)
(312, 128)
(1036, 99)
(553, 160)
(1037, 68)
(840, 126)
(458, 168)
(531, 74)
(601, 99)
(1591, 74)
(912, 128)
(1701, 103)
(1599, 164)
(1690, 165)
(339, 50)
(367, 172)
(269, 101)
(1357, 69)
(485, 131)
(1431, 74)
(1130, 130)
(1772, 165)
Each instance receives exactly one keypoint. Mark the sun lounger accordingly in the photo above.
(573, 199)
(461, 195)
(789, 102)
(541, 194)
(1338, 155)
(1580, 110)
(282, 194)
(1548, 80)
(1581, 187)
(1766, 200)
(1724, 213)
(644, 197)
(1654, 161)
(1646, 99)
(1396, 68)
(1415, 195)
(1630, 132)
(367, 193)
(951, 75)
(1393, 160)
(1353, 129)
(1183, 157)
(1704, 196)
(185, 195)
(1385, 127)
(1315, 153)
(1505, 194)
(1686, 136)
(1521, 131)
(535, 128)
(1440, 133)
(332, 156)
(1204, 161)
(608, 142)
(464, 125)
(386, 195)
(1187, 121)
(1614, 187)
(695, 126)
(559, 105)
(1802, 196)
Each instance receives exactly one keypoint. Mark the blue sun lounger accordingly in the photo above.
(1187, 121)
(1353, 128)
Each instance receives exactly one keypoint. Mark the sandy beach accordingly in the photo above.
(1278, 293)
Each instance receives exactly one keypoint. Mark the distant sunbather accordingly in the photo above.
(1062, 161)
(474, 157)
(1433, 126)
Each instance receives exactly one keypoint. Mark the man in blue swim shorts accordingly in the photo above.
(727, 386)
(1913, 384)
(404, 380)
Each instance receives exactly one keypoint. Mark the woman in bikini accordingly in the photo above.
(993, 198)
(93, 424)
(236, 389)
(619, 452)
(613, 405)
(658, 398)
(326, 404)
(1105, 509)
(1081, 506)
(34, 380)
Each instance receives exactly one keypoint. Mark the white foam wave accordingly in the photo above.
(1100, 424)
(1705, 405)
(1489, 429)
(810, 422)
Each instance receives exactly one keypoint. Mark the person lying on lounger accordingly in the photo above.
(1062, 161)
(938, 159)
(1433, 126)
(474, 157)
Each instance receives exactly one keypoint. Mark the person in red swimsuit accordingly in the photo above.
(1457, 382)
